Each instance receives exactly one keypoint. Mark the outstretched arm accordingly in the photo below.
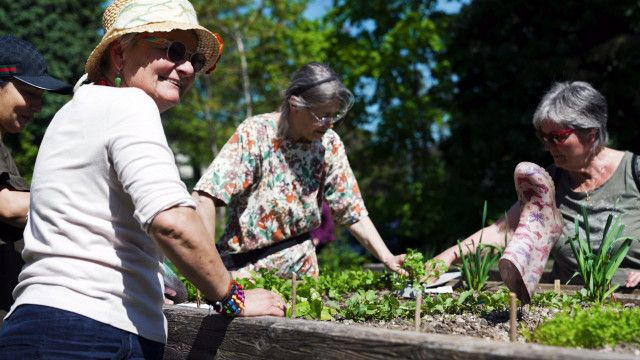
(365, 232)
(493, 234)
(186, 242)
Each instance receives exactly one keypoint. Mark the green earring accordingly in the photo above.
(117, 81)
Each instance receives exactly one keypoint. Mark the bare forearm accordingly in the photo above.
(367, 235)
(206, 209)
(184, 240)
(493, 234)
(14, 207)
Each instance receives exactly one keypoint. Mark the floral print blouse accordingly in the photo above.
(273, 187)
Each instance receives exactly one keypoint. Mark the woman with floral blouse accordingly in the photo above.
(273, 175)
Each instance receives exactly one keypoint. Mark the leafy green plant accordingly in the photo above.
(433, 268)
(475, 265)
(597, 267)
(592, 327)
(551, 299)
(414, 265)
(368, 305)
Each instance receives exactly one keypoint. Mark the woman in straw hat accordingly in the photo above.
(274, 174)
(107, 201)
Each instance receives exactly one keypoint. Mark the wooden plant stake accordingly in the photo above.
(294, 285)
(556, 286)
(513, 315)
(198, 298)
(418, 316)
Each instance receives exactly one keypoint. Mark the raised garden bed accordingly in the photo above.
(202, 334)
(367, 318)
(196, 333)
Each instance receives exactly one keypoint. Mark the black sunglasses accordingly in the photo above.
(177, 52)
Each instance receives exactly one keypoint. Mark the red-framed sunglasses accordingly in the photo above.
(557, 137)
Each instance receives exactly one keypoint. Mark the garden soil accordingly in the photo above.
(493, 326)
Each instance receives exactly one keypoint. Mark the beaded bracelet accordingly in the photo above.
(233, 303)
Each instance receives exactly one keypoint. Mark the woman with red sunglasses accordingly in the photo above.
(571, 122)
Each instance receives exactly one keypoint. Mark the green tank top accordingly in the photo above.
(618, 196)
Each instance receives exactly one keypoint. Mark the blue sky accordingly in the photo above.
(319, 7)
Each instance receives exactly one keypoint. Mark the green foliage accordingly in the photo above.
(384, 51)
(414, 264)
(551, 299)
(368, 305)
(315, 298)
(592, 327)
(433, 269)
(253, 70)
(597, 267)
(475, 265)
(368, 299)
(338, 256)
(482, 303)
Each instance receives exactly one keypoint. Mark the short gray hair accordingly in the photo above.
(576, 105)
(313, 84)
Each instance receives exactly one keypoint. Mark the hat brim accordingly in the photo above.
(46, 82)
(208, 43)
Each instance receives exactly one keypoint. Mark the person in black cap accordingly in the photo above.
(23, 78)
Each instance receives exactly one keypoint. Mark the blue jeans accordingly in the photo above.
(42, 332)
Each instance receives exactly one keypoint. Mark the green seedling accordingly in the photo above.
(475, 265)
(597, 266)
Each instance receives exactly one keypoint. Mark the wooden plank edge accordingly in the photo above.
(199, 334)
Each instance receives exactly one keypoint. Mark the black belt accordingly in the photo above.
(238, 261)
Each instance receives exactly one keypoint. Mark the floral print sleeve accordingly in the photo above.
(234, 169)
(341, 187)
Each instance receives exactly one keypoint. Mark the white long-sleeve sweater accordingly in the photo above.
(103, 171)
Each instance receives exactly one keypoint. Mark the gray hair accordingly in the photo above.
(313, 84)
(576, 105)
(126, 41)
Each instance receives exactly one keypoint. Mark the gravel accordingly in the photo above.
(493, 326)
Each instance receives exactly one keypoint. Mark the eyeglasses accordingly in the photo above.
(557, 137)
(324, 120)
(177, 52)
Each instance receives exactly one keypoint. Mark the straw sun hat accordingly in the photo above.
(137, 16)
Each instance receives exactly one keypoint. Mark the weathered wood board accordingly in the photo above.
(203, 334)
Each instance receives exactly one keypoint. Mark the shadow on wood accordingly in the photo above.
(197, 334)
(194, 333)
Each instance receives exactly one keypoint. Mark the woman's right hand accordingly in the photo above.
(260, 302)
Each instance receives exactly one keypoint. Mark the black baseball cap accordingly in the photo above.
(20, 60)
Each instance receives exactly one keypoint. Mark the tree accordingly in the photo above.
(65, 32)
(265, 41)
(386, 51)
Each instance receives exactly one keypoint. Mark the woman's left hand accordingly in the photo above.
(394, 263)
(633, 279)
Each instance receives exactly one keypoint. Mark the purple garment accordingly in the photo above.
(324, 233)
